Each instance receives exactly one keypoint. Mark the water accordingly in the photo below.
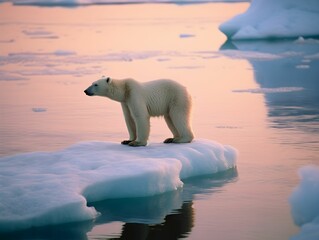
(48, 56)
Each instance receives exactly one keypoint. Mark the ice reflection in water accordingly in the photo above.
(167, 216)
(294, 66)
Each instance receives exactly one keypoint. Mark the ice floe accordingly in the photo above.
(39, 109)
(304, 203)
(47, 188)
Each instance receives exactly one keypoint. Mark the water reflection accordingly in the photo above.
(290, 64)
(175, 226)
(65, 231)
(166, 216)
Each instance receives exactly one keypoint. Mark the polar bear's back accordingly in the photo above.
(162, 95)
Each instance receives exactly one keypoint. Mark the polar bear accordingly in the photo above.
(140, 101)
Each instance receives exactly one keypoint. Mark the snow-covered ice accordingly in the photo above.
(304, 203)
(47, 188)
(274, 19)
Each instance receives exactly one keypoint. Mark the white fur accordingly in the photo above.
(140, 101)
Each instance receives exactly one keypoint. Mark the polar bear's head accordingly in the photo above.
(99, 87)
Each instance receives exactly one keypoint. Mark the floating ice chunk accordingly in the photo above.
(39, 109)
(302, 66)
(10, 77)
(302, 40)
(313, 56)
(254, 55)
(304, 203)
(37, 33)
(45, 188)
(186, 35)
(270, 90)
(7, 40)
(274, 19)
(64, 53)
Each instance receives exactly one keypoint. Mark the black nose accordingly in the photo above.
(88, 92)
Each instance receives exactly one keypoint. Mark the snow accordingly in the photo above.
(304, 203)
(274, 19)
(47, 188)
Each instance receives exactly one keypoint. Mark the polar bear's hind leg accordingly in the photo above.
(172, 128)
(178, 123)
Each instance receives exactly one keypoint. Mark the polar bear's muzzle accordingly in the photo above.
(89, 91)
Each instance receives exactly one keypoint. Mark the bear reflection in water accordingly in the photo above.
(138, 214)
(175, 226)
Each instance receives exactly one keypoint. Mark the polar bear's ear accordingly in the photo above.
(108, 80)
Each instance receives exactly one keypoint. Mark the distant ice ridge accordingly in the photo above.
(304, 203)
(274, 19)
(100, 2)
(47, 188)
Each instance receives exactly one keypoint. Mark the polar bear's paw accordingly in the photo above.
(126, 142)
(177, 140)
(137, 144)
(169, 140)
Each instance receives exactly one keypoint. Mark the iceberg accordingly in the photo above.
(50, 188)
(266, 19)
(304, 203)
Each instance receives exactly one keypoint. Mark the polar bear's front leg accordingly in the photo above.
(129, 124)
(142, 124)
